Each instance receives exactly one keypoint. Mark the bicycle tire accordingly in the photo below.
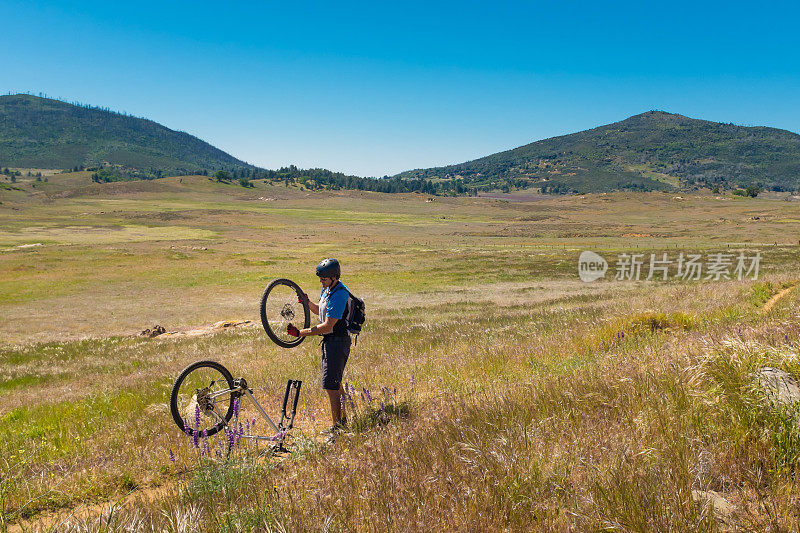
(182, 392)
(275, 322)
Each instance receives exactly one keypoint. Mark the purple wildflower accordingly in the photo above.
(368, 395)
(171, 456)
(196, 439)
(196, 416)
(236, 407)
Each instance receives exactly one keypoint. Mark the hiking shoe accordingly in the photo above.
(335, 430)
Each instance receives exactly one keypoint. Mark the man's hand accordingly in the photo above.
(293, 331)
(302, 298)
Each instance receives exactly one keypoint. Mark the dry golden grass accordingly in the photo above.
(526, 399)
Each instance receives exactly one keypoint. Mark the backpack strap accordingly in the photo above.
(350, 295)
(338, 284)
(344, 315)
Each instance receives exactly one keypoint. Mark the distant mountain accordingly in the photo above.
(651, 151)
(44, 133)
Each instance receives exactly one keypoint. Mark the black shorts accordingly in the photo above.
(335, 351)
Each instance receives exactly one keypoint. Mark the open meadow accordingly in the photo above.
(492, 389)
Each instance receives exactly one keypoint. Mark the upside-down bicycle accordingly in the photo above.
(205, 397)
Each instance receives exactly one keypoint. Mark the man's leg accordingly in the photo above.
(335, 397)
(335, 354)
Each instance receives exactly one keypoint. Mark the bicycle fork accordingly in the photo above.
(290, 397)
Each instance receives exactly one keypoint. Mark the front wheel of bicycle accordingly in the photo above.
(202, 398)
(279, 308)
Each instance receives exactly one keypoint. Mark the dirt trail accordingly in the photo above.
(775, 299)
(53, 520)
(158, 331)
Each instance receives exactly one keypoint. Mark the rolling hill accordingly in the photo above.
(650, 151)
(40, 132)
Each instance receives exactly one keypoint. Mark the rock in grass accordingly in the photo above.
(779, 387)
(721, 507)
(155, 331)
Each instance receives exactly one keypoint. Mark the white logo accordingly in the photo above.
(591, 266)
(690, 267)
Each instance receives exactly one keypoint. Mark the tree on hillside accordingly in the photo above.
(222, 175)
(752, 191)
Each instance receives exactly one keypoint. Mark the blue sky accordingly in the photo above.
(374, 89)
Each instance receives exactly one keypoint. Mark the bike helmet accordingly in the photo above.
(329, 268)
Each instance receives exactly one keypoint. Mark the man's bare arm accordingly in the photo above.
(311, 305)
(320, 329)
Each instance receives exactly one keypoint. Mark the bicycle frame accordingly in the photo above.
(241, 390)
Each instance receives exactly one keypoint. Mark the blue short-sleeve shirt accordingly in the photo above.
(333, 303)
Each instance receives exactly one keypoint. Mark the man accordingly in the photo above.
(332, 305)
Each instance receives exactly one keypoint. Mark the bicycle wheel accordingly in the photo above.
(202, 398)
(279, 308)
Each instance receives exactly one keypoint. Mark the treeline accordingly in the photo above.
(109, 174)
(323, 179)
(77, 104)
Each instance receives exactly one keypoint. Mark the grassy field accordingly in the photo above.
(519, 397)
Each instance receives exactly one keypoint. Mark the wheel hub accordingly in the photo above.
(288, 312)
(204, 401)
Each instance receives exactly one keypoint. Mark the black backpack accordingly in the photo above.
(354, 315)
